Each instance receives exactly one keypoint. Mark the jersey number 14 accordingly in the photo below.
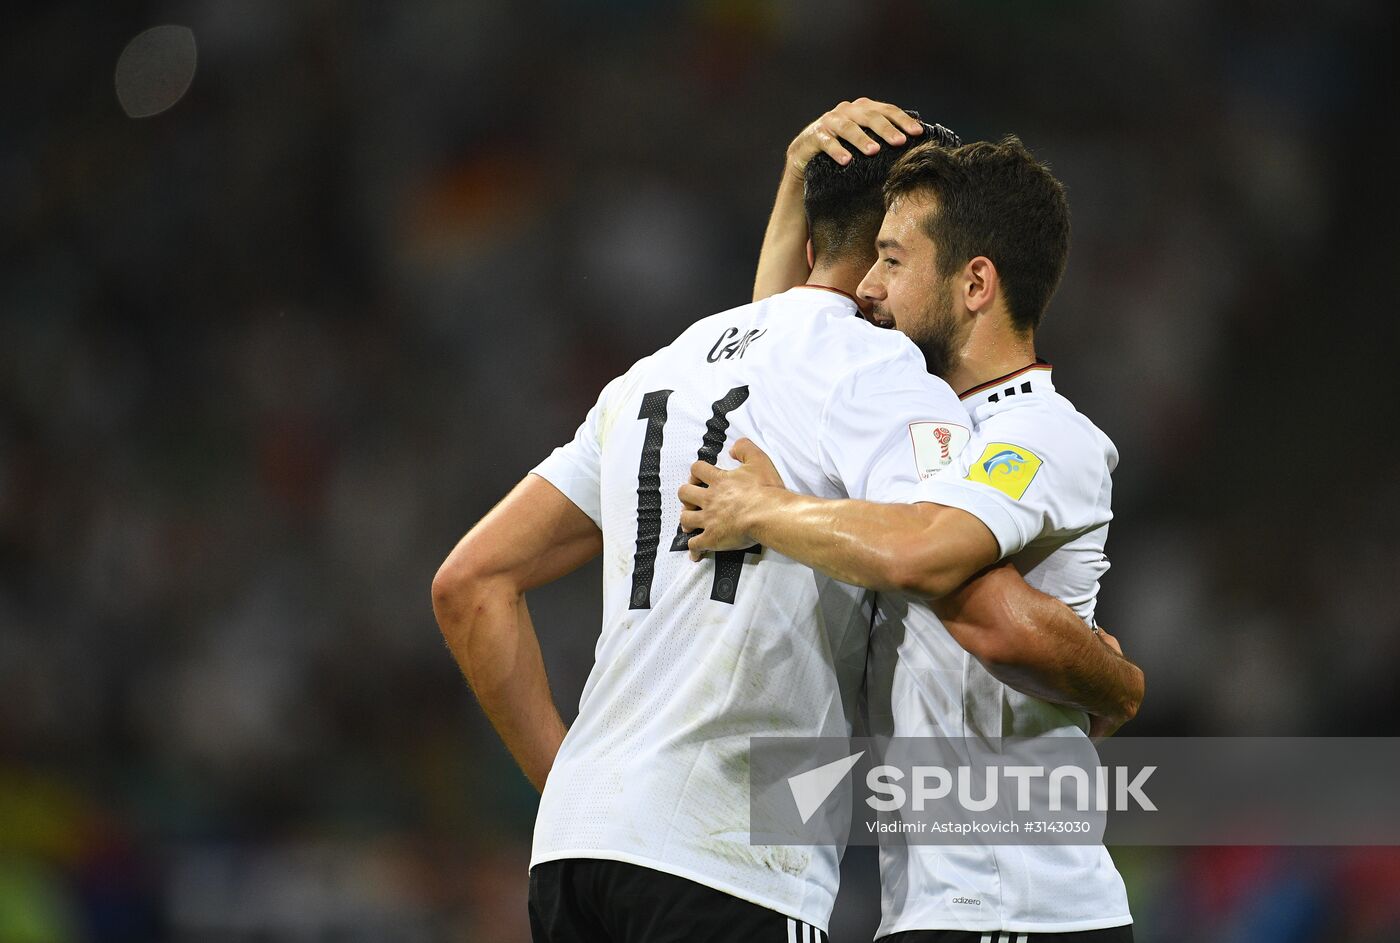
(729, 564)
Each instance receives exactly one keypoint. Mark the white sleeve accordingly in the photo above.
(1027, 475)
(576, 468)
(887, 425)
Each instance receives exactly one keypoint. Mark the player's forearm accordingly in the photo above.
(1091, 677)
(1039, 646)
(488, 628)
(884, 547)
(782, 262)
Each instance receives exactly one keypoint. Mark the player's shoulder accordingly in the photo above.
(797, 309)
(1049, 423)
(702, 329)
(728, 335)
(832, 320)
(1081, 429)
(837, 343)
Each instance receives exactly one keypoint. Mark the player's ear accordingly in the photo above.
(811, 256)
(980, 283)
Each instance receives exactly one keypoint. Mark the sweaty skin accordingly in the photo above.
(1025, 639)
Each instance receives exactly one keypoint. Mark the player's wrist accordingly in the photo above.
(802, 149)
(763, 506)
(795, 170)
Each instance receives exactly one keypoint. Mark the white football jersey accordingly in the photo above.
(1037, 473)
(696, 658)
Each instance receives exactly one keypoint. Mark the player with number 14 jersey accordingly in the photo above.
(694, 660)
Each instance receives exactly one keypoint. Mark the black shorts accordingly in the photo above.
(1123, 934)
(590, 900)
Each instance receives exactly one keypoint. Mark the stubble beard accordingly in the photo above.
(937, 337)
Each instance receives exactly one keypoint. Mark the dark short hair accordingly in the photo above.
(998, 201)
(844, 204)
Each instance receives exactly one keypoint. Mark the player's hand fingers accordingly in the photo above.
(692, 495)
(692, 520)
(814, 139)
(882, 116)
(699, 546)
(704, 472)
(902, 119)
(746, 450)
(757, 464)
(846, 121)
(886, 129)
(1109, 640)
(850, 131)
(1101, 728)
(830, 144)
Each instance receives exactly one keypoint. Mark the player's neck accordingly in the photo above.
(992, 350)
(842, 276)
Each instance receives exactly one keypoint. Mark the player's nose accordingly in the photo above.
(870, 289)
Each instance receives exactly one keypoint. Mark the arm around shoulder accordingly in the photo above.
(1037, 645)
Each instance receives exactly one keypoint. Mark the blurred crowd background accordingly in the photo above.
(264, 357)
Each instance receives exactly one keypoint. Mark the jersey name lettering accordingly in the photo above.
(735, 347)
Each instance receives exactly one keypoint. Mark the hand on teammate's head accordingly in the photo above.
(845, 127)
